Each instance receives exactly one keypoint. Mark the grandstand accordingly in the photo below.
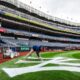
(21, 27)
(20, 21)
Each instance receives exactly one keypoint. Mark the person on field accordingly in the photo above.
(37, 49)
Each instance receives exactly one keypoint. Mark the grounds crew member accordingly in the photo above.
(37, 49)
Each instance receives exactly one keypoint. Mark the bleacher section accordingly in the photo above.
(41, 35)
(28, 18)
(25, 26)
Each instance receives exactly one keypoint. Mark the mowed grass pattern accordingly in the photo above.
(42, 75)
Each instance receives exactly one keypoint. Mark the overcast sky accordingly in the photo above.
(65, 9)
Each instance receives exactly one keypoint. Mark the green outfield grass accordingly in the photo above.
(42, 75)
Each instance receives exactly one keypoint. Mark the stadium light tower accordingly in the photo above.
(47, 11)
(40, 10)
(30, 3)
(40, 7)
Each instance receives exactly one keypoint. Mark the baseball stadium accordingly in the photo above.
(23, 26)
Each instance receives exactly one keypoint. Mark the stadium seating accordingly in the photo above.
(28, 17)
